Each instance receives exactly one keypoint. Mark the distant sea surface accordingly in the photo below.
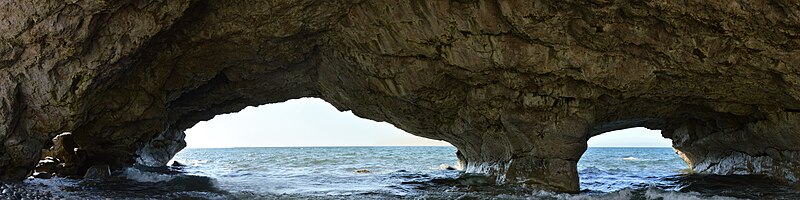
(404, 173)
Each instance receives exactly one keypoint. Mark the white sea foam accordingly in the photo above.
(55, 184)
(653, 193)
(628, 193)
(142, 176)
(450, 167)
(195, 162)
(622, 194)
(631, 158)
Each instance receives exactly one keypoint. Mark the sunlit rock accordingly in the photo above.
(64, 158)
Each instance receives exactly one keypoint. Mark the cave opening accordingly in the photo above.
(629, 158)
(307, 146)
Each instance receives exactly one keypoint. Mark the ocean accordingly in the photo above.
(402, 173)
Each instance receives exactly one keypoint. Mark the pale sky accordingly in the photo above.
(632, 137)
(314, 122)
(298, 122)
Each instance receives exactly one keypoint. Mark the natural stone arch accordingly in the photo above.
(517, 86)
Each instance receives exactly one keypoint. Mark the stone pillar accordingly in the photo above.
(538, 149)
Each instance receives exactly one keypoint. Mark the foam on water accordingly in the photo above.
(494, 168)
(629, 193)
(652, 193)
(144, 176)
(631, 158)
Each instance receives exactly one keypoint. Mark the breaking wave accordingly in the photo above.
(145, 176)
(630, 158)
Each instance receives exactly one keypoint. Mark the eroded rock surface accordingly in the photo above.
(517, 86)
(63, 158)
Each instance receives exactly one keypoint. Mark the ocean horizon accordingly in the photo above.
(392, 146)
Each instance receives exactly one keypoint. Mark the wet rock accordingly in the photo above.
(47, 166)
(444, 181)
(63, 148)
(362, 171)
(470, 179)
(42, 175)
(446, 167)
(98, 172)
(177, 164)
(466, 179)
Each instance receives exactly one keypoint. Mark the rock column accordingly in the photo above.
(539, 149)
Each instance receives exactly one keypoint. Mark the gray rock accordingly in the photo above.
(177, 164)
(98, 172)
(47, 166)
(469, 179)
(42, 175)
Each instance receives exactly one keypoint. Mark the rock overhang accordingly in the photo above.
(517, 86)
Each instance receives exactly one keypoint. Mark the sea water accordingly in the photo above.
(404, 173)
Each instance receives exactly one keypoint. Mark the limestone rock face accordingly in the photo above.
(517, 86)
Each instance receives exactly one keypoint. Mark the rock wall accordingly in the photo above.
(54, 55)
(517, 86)
(738, 147)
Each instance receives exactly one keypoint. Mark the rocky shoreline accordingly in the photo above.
(25, 191)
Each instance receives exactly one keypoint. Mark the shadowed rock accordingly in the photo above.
(517, 86)
(177, 164)
(98, 172)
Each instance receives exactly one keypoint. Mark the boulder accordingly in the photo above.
(47, 166)
(98, 172)
(42, 175)
(177, 164)
(63, 148)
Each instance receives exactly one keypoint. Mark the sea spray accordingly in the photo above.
(144, 176)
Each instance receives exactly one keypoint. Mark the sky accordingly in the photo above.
(632, 137)
(314, 122)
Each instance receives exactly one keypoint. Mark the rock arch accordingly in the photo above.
(517, 86)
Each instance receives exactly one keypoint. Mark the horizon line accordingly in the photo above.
(321, 146)
(397, 146)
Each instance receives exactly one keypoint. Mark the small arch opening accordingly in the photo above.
(307, 147)
(630, 158)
